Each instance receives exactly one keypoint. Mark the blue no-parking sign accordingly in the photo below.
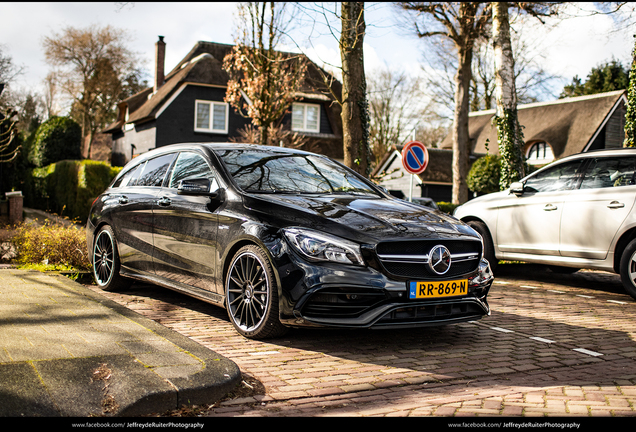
(414, 157)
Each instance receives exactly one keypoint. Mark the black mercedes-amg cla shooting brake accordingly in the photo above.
(284, 238)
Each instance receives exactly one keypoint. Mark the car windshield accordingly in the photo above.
(270, 171)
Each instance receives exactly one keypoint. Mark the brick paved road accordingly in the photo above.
(555, 345)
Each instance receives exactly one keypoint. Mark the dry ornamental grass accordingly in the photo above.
(53, 246)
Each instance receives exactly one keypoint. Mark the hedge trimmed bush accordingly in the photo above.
(57, 139)
(69, 187)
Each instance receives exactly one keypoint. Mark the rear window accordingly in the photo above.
(129, 177)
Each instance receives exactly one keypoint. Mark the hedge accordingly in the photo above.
(58, 138)
(69, 187)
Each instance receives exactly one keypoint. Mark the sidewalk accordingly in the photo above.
(67, 351)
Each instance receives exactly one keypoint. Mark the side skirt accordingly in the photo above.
(198, 293)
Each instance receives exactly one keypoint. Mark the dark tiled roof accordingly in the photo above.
(204, 65)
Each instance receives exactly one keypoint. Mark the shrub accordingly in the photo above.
(56, 139)
(51, 247)
(483, 176)
(447, 207)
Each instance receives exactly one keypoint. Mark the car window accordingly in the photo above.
(192, 166)
(130, 177)
(281, 172)
(155, 170)
(560, 177)
(609, 172)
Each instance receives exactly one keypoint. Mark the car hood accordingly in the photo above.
(358, 218)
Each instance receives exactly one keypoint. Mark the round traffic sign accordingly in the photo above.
(414, 157)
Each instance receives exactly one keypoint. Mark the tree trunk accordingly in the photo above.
(509, 132)
(355, 114)
(461, 138)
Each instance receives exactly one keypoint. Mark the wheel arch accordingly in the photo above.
(621, 244)
(235, 247)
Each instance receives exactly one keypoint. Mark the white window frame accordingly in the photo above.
(209, 128)
(304, 127)
(543, 147)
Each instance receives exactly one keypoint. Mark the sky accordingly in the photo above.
(570, 48)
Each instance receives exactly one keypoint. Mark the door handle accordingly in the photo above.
(165, 201)
(549, 207)
(615, 205)
(123, 199)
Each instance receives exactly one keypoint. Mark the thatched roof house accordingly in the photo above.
(552, 130)
(556, 129)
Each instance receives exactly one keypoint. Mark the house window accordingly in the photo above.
(540, 153)
(210, 117)
(305, 117)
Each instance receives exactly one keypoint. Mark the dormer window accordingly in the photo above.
(540, 153)
(305, 117)
(211, 117)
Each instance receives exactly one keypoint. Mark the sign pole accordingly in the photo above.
(411, 189)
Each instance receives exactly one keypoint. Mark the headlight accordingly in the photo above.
(318, 246)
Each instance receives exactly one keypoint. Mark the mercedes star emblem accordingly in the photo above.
(439, 259)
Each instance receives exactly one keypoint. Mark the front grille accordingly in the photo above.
(409, 259)
(342, 302)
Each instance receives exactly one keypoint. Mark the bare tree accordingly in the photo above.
(8, 133)
(464, 24)
(263, 81)
(8, 72)
(509, 133)
(355, 109)
(95, 70)
(394, 109)
(352, 97)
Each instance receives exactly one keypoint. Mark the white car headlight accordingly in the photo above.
(318, 246)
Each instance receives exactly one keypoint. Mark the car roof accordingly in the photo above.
(604, 152)
(218, 146)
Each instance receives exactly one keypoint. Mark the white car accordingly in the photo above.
(577, 212)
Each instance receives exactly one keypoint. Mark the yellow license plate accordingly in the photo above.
(418, 290)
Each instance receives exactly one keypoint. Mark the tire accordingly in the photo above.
(489, 249)
(628, 268)
(562, 269)
(251, 295)
(106, 263)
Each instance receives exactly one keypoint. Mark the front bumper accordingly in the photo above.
(346, 296)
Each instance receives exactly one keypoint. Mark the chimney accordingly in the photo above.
(160, 55)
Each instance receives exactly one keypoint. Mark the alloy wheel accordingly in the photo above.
(632, 269)
(248, 291)
(103, 258)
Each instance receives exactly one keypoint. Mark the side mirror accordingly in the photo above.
(198, 186)
(516, 188)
